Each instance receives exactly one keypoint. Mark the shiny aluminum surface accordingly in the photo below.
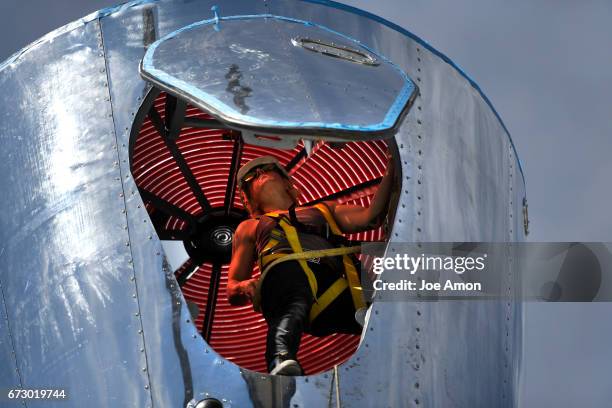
(256, 72)
(66, 261)
(8, 369)
(94, 308)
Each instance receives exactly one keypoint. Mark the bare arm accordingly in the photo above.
(355, 218)
(240, 286)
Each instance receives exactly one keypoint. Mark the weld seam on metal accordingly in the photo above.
(507, 387)
(330, 394)
(337, 387)
(103, 46)
(10, 335)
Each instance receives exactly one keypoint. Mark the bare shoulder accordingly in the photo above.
(246, 229)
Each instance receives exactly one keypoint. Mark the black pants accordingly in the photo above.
(286, 302)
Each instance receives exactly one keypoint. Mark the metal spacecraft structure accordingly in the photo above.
(122, 134)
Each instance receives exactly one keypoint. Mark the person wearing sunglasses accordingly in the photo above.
(309, 275)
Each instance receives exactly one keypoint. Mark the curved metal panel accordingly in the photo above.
(457, 164)
(261, 72)
(66, 261)
(85, 282)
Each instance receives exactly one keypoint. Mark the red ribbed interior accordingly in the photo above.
(238, 333)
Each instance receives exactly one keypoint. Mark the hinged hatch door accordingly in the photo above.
(275, 75)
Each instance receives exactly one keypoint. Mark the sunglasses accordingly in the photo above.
(254, 173)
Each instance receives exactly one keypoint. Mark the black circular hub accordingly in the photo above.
(209, 403)
(213, 236)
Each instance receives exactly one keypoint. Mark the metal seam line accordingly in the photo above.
(10, 334)
(337, 386)
(125, 206)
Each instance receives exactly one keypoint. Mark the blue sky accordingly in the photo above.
(546, 65)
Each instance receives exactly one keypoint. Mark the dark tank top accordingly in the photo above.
(312, 236)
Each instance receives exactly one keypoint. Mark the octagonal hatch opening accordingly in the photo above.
(184, 163)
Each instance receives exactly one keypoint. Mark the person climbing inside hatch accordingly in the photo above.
(310, 279)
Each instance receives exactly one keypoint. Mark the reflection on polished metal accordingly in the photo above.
(335, 50)
(256, 72)
(89, 302)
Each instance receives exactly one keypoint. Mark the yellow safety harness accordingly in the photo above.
(350, 278)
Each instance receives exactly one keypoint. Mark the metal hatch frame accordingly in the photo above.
(179, 276)
(291, 131)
